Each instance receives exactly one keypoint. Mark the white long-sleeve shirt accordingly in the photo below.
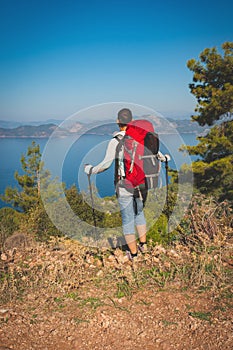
(110, 153)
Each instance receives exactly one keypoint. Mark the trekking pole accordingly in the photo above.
(167, 200)
(92, 202)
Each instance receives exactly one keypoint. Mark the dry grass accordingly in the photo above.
(209, 243)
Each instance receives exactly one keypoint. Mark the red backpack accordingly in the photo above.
(139, 147)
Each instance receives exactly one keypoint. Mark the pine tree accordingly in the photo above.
(27, 195)
(213, 88)
(213, 84)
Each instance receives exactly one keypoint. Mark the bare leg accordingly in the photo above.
(131, 242)
(142, 233)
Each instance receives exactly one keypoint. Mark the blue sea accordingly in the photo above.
(65, 158)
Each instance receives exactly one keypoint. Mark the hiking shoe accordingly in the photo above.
(143, 248)
(130, 257)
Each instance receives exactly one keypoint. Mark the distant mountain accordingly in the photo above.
(187, 126)
(170, 125)
(7, 124)
(98, 127)
(162, 126)
(41, 131)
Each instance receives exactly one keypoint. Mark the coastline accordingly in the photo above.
(88, 133)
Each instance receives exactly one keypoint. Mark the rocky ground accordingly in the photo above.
(65, 297)
(148, 320)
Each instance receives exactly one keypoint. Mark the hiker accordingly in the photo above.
(131, 200)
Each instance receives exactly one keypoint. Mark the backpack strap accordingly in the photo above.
(120, 139)
(135, 145)
(152, 157)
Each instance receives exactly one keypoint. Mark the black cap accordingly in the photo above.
(124, 116)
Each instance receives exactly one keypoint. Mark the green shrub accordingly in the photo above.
(10, 220)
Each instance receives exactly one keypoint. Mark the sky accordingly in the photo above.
(57, 57)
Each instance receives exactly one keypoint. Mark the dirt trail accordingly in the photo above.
(149, 320)
(65, 300)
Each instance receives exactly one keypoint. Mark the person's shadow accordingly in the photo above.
(118, 243)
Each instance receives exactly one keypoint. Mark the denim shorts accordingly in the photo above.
(130, 219)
